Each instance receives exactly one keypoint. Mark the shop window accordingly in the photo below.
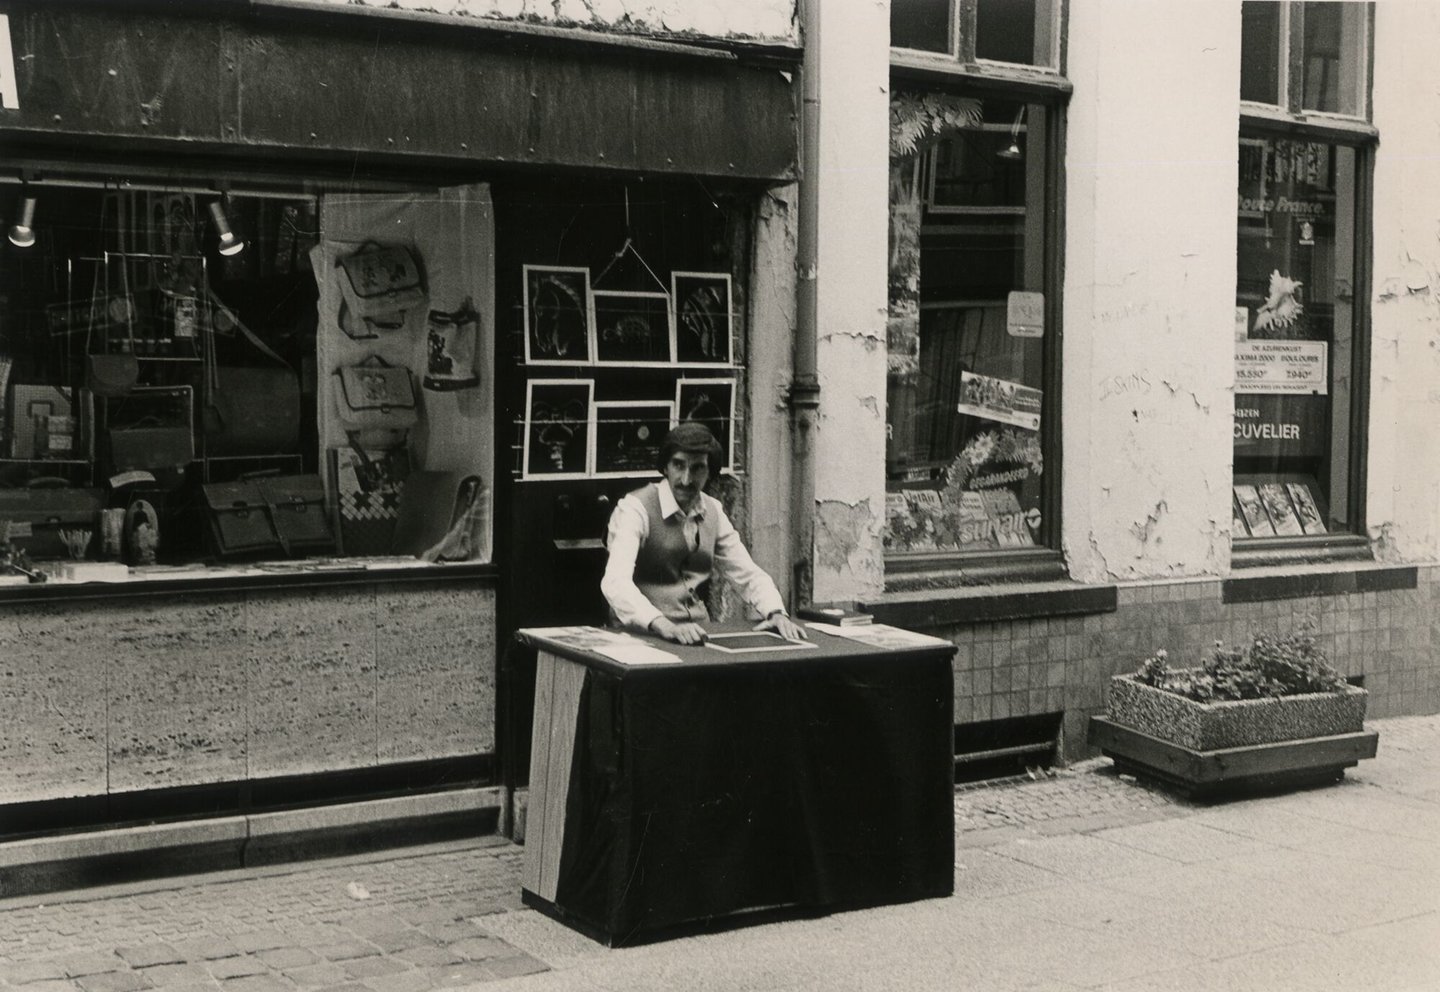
(1297, 345)
(1306, 57)
(1015, 32)
(970, 327)
(195, 382)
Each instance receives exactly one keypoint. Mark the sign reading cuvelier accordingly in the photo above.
(9, 92)
(1025, 314)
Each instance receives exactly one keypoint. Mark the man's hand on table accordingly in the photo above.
(784, 626)
(680, 633)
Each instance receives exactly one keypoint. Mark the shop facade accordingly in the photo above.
(329, 334)
(1154, 339)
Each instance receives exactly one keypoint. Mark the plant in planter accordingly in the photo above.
(1273, 714)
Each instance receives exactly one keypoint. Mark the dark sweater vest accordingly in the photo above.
(668, 569)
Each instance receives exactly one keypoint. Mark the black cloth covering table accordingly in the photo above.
(666, 797)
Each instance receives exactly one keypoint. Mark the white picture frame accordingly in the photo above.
(704, 319)
(556, 411)
(632, 328)
(626, 437)
(559, 316)
(713, 399)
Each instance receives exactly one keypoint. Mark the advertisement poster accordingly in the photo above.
(1292, 426)
(996, 399)
(1281, 367)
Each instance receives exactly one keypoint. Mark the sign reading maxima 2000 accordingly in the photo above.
(1281, 367)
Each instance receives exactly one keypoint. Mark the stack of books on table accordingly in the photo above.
(839, 614)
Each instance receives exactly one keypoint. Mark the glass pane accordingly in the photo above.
(921, 24)
(1294, 331)
(964, 465)
(1261, 52)
(1334, 58)
(1018, 31)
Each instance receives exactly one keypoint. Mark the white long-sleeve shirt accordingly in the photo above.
(630, 526)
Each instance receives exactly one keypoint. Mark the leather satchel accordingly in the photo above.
(297, 510)
(380, 281)
(151, 429)
(376, 395)
(240, 522)
(253, 411)
(37, 515)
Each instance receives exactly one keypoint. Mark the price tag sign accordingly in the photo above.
(1271, 367)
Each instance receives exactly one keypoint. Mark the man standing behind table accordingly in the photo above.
(667, 538)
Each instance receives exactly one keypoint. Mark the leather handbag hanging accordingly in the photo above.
(379, 284)
(376, 395)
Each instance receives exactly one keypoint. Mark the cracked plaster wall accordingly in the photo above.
(1403, 495)
(1149, 290)
(853, 175)
(758, 20)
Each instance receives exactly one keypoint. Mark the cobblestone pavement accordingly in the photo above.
(433, 917)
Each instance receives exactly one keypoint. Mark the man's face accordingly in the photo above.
(687, 472)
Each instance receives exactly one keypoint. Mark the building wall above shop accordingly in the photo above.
(769, 20)
(391, 89)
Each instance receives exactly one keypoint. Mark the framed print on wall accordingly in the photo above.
(703, 325)
(628, 435)
(710, 402)
(557, 315)
(632, 328)
(557, 428)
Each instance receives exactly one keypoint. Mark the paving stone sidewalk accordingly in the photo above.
(433, 917)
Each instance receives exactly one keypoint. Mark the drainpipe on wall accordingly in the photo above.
(804, 398)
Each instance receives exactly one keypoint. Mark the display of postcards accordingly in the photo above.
(710, 402)
(557, 428)
(703, 312)
(1278, 506)
(1254, 510)
(1238, 527)
(1306, 509)
(632, 328)
(628, 435)
(558, 317)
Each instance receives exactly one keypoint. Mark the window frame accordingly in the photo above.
(926, 569)
(959, 58)
(1291, 121)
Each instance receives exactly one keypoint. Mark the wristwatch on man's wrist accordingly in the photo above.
(776, 613)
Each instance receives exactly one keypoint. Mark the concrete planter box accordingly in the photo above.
(1249, 744)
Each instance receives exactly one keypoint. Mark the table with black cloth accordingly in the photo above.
(666, 798)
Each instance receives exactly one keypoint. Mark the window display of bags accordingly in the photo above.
(380, 284)
(151, 428)
(376, 396)
(270, 515)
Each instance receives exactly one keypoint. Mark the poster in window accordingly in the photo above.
(1237, 519)
(1282, 514)
(557, 315)
(628, 435)
(632, 328)
(1311, 520)
(1254, 510)
(710, 402)
(995, 399)
(557, 428)
(702, 317)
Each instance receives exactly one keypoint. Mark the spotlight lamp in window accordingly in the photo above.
(230, 243)
(22, 233)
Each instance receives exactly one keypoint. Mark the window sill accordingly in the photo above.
(1334, 578)
(929, 608)
(1266, 552)
(942, 69)
(164, 580)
